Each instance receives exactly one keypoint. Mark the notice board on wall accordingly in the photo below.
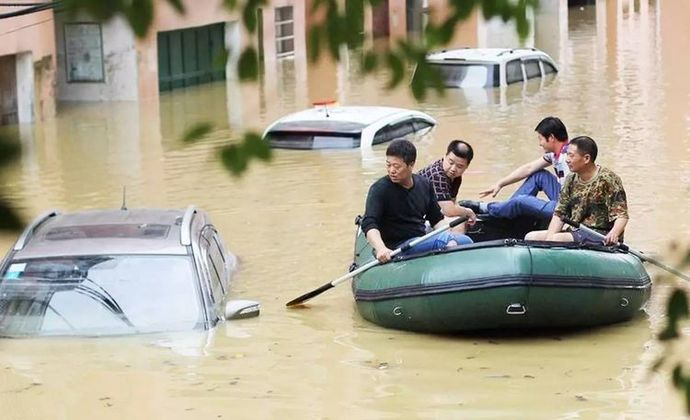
(84, 52)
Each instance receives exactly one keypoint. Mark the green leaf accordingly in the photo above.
(101, 10)
(314, 43)
(231, 5)
(395, 65)
(255, 146)
(220, 59)
(677, 376)
(177, 5)
(521, 20)
(354, 22)
(335, 32)
(248, 64)
(9, 219)
(677, 305)
(463, 9)
(197, 131)
(370, 62)
(687, 397)
(9, 150)
(668, 333)
(249, 16)
(140, 15)
(489, 8)
(234, 159)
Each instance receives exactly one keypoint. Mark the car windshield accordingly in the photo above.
(99, 295)
(466, 75)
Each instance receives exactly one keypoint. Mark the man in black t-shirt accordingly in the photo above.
(398, 205)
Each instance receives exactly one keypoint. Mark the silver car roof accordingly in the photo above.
(100, 232)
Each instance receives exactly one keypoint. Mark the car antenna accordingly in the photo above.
(124, 198)
(325, 104)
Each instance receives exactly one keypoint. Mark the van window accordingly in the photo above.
(514, 71)
(394, 131)
(548, 67)
(532, 69)
(459, 75)
(216, 264)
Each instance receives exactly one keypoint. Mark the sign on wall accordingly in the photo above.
(84, 52)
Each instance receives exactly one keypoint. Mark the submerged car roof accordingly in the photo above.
(98, 232)
(347, 119)
(485, 55)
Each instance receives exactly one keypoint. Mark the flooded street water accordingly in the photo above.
(623, 81)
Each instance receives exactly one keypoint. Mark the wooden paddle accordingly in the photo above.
(626, 248)
(305, 297)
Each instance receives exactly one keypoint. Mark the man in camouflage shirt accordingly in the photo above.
(592, 195)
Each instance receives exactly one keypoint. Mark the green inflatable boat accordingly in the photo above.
(500, 284)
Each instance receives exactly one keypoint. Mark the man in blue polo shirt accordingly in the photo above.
(553, 139)
(398, 205)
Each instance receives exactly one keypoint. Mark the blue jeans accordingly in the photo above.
(524, 201)
(436, 243)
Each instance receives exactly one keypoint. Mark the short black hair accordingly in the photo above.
(586, 146)
(404, 149)
(461, 149)
(552, 125)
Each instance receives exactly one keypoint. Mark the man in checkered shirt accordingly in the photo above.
(445, 176)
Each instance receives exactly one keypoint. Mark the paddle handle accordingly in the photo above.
(397, 251)
(578, 225)
(305, 297)
(626, 248)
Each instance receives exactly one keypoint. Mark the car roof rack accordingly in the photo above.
(512, 50)
(186, 228)
(29, 231)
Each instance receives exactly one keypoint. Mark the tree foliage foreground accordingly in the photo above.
(331, 23)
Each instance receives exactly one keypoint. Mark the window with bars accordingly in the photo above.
(285, 32)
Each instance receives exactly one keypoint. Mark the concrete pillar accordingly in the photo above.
(233, 44)
(8, 90)
(551, 27)
(494, 33)
(25, 87)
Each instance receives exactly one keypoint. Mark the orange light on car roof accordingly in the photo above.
(327, 102)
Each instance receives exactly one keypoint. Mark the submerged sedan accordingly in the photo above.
(122, 271)
(345, 127)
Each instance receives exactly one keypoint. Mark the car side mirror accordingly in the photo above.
(241, 308)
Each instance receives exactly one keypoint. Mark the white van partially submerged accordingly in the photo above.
(490, 67)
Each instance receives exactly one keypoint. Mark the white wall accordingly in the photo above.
(552, 27)
(119, 64)
(25, 87)
(494, 33)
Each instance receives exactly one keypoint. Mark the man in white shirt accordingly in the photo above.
(553, 139)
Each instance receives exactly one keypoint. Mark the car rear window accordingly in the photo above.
(306, 140)
(99, 295)
(462, 75)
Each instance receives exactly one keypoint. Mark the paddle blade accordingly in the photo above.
(305, 297)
